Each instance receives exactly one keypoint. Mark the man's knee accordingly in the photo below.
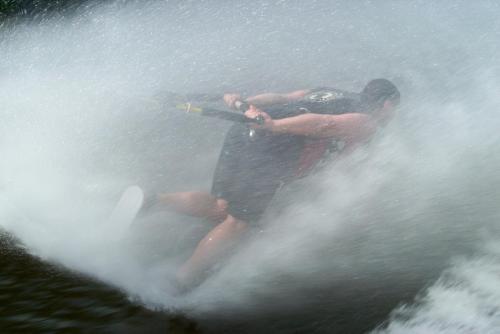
(234, 225)
(227, 230)
(220, 210)
(196, 203)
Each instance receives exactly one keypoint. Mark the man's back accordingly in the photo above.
(321, 100)
(251, 163)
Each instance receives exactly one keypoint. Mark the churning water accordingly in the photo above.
(417, 210)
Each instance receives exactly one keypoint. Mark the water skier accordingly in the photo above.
(299, 130)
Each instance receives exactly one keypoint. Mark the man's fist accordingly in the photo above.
(231, 99)
(254, 112)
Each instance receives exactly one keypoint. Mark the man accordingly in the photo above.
(299, 130)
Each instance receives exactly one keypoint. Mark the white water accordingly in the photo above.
(77, 128)
(464, 300)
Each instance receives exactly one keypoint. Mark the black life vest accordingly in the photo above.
(311, 153)
(284, 157)
(322, 100)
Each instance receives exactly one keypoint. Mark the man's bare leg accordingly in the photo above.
(216, 243)
(195, 203)
(210, 249)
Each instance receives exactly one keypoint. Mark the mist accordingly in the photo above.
(80, 123)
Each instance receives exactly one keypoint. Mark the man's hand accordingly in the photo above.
(268, 123)
(231, 99)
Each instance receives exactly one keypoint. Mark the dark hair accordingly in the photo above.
(376, 92)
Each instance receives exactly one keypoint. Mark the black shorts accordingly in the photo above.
(250, 171)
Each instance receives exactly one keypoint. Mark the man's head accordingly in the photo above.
(380, 96)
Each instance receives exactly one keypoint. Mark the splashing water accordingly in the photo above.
(463, 300)
(79, 125)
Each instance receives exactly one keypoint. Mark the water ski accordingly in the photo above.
(126, 210)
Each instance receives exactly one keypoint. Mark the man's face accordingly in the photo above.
(388, 111)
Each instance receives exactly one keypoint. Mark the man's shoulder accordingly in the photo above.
(326, 94)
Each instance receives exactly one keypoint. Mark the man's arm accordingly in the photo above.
(266, 99)
(352, 126)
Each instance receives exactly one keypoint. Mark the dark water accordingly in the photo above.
(40, 297)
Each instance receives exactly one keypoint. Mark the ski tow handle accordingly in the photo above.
(221, 114)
